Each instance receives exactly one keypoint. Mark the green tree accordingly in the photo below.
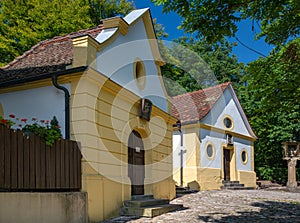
(24, 23)
(272, 101)
(100, 9)
(278, 20)
(195, 64)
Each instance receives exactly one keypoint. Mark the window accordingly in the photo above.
(139, 74)
(228, 123)
(210, 151)
(244, 156)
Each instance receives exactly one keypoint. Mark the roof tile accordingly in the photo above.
(194, 106)
(47, 56)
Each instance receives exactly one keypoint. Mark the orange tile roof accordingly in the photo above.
(194, 106)
(45, 57)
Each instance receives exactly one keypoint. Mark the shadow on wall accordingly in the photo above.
(269, 211)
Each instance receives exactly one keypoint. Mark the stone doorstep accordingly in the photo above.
(150, 211)
(147, 206)
(145, 203)
(237, 188)
(180, 191)
(142, 197)
(234, 185)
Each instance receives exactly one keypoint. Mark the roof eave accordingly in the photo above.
(41, 77)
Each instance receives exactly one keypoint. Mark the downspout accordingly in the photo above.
(67, 105)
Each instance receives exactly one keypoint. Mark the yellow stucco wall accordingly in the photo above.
(209, 178)
(192, 158)
(248, 178)
(103, 116)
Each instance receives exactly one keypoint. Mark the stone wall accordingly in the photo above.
(43, 207)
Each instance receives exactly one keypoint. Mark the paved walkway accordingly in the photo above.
(231, 206)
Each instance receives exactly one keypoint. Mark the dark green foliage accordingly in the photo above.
(278, 20)
(101, 9)
(272, 102)
(194, 64)
(24, 23)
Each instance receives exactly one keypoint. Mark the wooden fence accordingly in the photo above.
(27, 164)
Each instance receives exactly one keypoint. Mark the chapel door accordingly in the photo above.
(136, 163)
(226, 162)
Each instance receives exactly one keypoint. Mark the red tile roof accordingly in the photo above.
(192, 107)
(47, 56)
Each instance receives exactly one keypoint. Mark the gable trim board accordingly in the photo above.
(204, 125)
(103, 110)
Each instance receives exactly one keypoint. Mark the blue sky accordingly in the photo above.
(171, 21)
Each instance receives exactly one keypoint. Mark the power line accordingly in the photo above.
(249, 48)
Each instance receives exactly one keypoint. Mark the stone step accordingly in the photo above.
(237, 188)
(142, 197)
(180, 191)
(233, 185)
(151, 211)
(229, 181)
(145, 203)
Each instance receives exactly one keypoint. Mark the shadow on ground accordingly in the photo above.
(268, 211)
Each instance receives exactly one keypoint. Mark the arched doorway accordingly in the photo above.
(136, 163)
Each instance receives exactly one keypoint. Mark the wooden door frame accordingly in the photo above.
(233, 171)
(131, 154)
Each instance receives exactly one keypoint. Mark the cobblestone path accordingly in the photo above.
(230, 206)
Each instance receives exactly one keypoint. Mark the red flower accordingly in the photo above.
(12, 116)
(20, 125)
(34, 119)
(58, 127)
(47, 121)
(42, 121)
(3, 121)
(24, 120)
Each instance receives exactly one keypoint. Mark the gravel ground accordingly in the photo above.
(276, 205)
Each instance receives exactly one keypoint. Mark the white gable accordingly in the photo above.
(228, 105)
(117, 59)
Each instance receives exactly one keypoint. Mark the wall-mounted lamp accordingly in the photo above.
(145, 109)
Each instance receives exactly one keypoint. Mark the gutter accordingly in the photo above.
(67, 105)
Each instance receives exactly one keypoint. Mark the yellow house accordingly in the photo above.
(214, 147)
(105, 87)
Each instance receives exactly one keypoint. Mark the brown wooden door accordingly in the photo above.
(226, 161)
(136, 163)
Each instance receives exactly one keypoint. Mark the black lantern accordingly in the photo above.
(145, 109)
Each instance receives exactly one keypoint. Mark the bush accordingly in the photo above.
(278, 174)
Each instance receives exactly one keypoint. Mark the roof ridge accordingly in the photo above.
(48, 41)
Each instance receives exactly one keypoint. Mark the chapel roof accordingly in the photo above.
(47, 56)
(194, 106)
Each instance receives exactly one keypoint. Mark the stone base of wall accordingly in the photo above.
(248, 178)
(209, 178)
(43, 207)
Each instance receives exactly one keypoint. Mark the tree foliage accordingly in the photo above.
(278, 20)
(26, 22)
(271, 94)
(272, 101)
(194, 64)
